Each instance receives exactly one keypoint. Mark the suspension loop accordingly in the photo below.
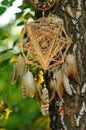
(43, 6)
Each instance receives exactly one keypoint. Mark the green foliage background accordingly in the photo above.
(26, 114)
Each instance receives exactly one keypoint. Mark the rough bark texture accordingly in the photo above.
(73, 13)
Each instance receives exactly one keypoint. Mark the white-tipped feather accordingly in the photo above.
(70, 59)
(66, 84)
(72, 69)
(29, 84)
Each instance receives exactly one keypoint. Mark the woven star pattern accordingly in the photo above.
(46, 43)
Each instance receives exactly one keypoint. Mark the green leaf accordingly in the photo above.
(20, 23)
(18, 15)
(15, 42)
(21, 7)
(3, 63)
(26, 16)
(30, 6)
(6, 56)
(27, 4)
(5, 51)
(2, 10)
(11, 2)
(5, 2)
(3, 37)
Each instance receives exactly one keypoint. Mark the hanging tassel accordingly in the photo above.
(18, 68)
(28, 84)
(71, 62)
(45, 102)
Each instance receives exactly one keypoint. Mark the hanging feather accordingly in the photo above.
(59, 86)
(56, 88)
(45, 102)
(20, 62)
(23, 71)
(52, 85)
(15, 73)
(66, 84)
(71, 62)
(28, 84)
(65, 69)
(24, 90)
(38, 89)
(18, 68)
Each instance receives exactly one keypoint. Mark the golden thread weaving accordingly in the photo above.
(46, 43)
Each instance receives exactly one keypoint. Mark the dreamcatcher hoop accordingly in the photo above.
(43, 6)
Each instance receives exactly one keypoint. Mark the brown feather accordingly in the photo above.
(60, 88)
(56, 85)
(71, 62)
(15, 73)
(20, 63)
(52, 85)
(38, 89)
(18, 69)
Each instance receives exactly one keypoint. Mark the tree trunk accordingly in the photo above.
(72, 115)
(73, 13)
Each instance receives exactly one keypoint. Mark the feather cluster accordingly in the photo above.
(61, 82)
(29, 85)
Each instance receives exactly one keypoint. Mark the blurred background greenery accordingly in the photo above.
(16, 113)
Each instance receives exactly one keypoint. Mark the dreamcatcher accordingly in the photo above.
(44, 43)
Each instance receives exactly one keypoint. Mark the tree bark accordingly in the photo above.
(73, 13)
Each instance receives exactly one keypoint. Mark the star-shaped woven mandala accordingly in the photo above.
(46, 43)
